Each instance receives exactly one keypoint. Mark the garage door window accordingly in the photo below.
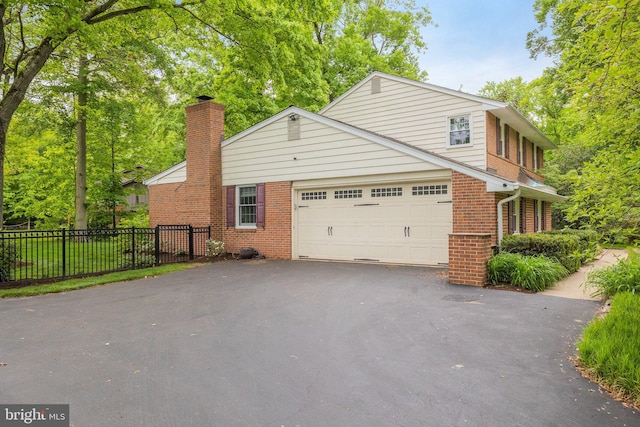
(347, 194)
(386, 192)
(427, 190)
(314, 195)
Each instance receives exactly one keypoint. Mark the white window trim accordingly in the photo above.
(448, 130)
(244, 226)
(535, 157)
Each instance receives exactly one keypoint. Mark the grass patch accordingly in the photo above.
(534, 273)
(621, 277)
(609, 348)
(85, 282)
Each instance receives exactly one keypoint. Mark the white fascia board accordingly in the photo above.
(154, 179)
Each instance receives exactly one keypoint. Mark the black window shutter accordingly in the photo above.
(231, 206)
(506, 141)
(519, 148)
(523, 215)
(498, 138)
(510, 222)
(544, 215)
(524, 151)
(260, 214)
(536, 215)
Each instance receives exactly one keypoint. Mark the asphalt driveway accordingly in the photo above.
(286, 343)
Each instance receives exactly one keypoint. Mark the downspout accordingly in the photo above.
(500, 203)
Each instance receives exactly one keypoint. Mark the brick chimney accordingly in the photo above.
(203, 188)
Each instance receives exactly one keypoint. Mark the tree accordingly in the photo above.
(30, 33)
(596, 45)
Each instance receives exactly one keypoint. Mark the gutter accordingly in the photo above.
(500, 203)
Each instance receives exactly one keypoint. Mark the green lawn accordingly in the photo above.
(610, 348)
(73, 284)
(42, 258)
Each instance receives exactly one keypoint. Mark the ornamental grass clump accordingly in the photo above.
(621, 277)
(609, 347)
(534, 273)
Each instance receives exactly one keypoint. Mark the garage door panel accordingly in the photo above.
(389, 223)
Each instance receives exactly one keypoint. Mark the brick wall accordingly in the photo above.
(468, 255)
(274, 241)
(508, 168)
(474, 210)
(198, 200)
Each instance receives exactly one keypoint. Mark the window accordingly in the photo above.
(386, 192)
(425, 190)
(459, 131)
(247, 208)
(314, 195)
(347, 194)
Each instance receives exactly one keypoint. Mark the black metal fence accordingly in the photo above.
(35, 256)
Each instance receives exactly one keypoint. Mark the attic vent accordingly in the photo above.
(293, 129)
(375, 85)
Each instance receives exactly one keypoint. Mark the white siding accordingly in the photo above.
(178, 175)
(322, 151)
(414, 115)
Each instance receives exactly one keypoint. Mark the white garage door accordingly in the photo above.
(398, 223)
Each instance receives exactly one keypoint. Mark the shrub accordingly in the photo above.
(587, 242)
(609, 347)
(562, 247)
(535, 273)
(214, 248)
(621, 277)
(9, 256)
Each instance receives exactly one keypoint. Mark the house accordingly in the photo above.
(392, 171)
(136, 192)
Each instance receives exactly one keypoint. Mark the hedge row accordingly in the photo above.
(571, 248)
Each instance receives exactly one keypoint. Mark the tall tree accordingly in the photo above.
(596, 45)
(31, 32)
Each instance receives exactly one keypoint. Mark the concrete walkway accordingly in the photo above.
(572, 286)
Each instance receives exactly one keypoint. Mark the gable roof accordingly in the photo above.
(494, 182)
(502, 110)
(157, 177)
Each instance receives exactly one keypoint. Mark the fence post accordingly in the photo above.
(133, 246)
(191, 256)
(157, 245)
(64, 253)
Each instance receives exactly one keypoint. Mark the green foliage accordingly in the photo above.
(609, 347)
(9, 256)
(565, 248)
(138, 218)
(256, 57)
(621, 277)
(596, 81)
(535, 273)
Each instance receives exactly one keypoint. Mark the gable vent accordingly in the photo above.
(375, 85)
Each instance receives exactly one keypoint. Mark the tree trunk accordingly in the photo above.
(81, 145)
(3, 140)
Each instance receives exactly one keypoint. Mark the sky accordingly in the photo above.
(478, 41)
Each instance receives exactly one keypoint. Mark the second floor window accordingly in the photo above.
(459, 131)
